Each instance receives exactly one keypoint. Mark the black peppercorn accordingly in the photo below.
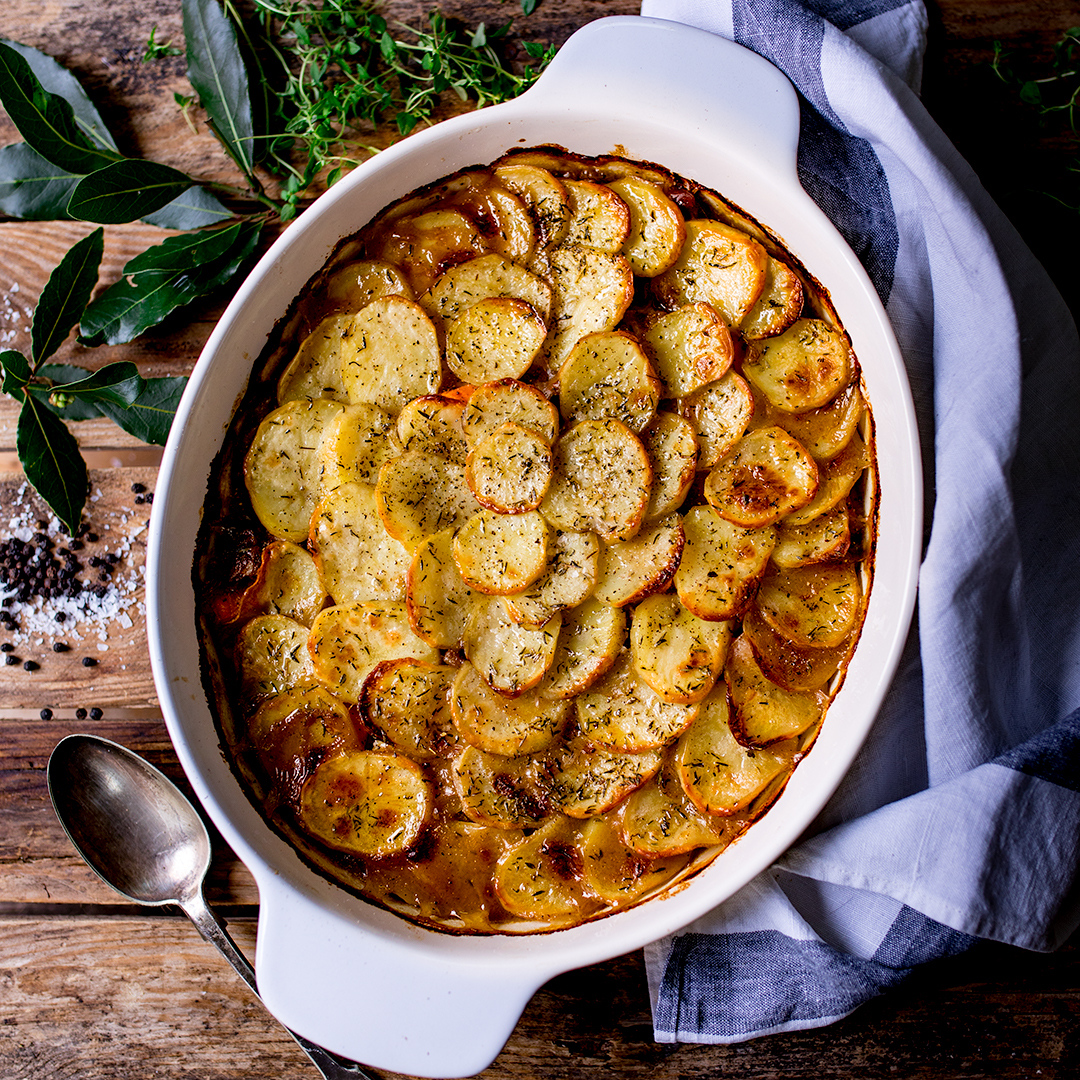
(7, 647)
(60, 646)
(11, 660)
(46, 714)
(89, 661)
(80, 714)
(30, 665)
(138, 488)
(96, 713)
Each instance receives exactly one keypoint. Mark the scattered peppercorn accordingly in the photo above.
(89, 661)
(139, 500)
(7, 647)
(80, 714)
(149, 496)
(138, 488)
(96, 713)
(60, 646)
(92, 537)
(11, 660)
(30, 665)
(60, 616)
(46, 714)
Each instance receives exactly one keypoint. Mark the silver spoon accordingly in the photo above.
(143, 837)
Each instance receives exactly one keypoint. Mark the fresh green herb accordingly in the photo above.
(159, 50)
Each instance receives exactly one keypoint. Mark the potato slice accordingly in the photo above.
(598, 217)
(347, 641)
(509, 727)
(541, 878)
(423, 244)
(764, 477)
(511, 658)
(586, 781)
(315, 370)
(287, 584)
(591, 291)
(568, 579)
(355, 284)
(691, 346)
(544, 195)
(826, 537)
(432, 425)
(281, 469)
(616, 873)
(601, 481)
(812, 605)
(418, 496)
(720, 775)
(368, 803)
(836, 478)
(803, 368)
(721, 565)
(409, 702)
(272, 657)
(679, 655)
(513, 235)
(510, 470)
(632, 569)
(672, 447)
(500, 554)
(791, 666)
(779, 304)
(762, 712)
(720, 265)
(437, 599)
(624, 714)
(390, 354)
(826, 431)
(357, 558)
(719, 414)
(657, 229)
(481, 279)
(358, 442)
(659, 820)
(607, 375)
(590, 641)
(508, 401)
(499, 791)
(495, 338)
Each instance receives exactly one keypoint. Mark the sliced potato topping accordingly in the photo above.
(366, 803)
(425, 243)
(499, 791)
(409, 702)
(390, 354)
(826, 431)
(826, 537)
(598, 217)
(632, 569)
(496, 724)
(272, 656)
(357, 443)
(281, 469)
(791, 666)
(586, 781)
(541, 878)
(432, 425)
(496, 338)
(762, 712)
(779, 304)
(802, 368)
(657, 229)
(544, 195)
(355, 284)
(315, 370)
(590, 641)
(511, 658)
(418, 496)
(691, 346)
(678, 654)
(481, 279)
(812, 605)
(608, 375)
(720, 265)
(659, 820)
(765, 476)
(672, 447)
(508, 401)
(616, 873)
(721, 565)
(436, 598)
(510, 470)
(719, 414)
(287, 584)
(500, 554)
(568, 579)
(836, 478)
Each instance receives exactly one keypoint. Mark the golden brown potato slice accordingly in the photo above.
(481, 279)
(418, 496)
(791, 666)
(691, 346)
(762, 712)
(509, 401)
(825, 432)
(510, 470)
(509, 727)
(409, 702)
(836, 478)
(720, 775)
(720, 265)
(632, 569)
(586, 781)
(347, 641)
(354, 285)
(812, 605)
(358, 442)
(719, 414)
(541, 878)
(500, 554)
(614, 872)
(281, 469)
(779, 304)
(272, 656)
(366, 803)
(568, 579)
(764, 477)
(590, 641)
(315, 370)
(437, 599)
(499, 791)
(390, 354)
(803, 368)
(721, 564)
(679, 655)
(423, 244)
(608, 376)
(544, 195)
(287, 584)
(357, 558)
(657, 229)
(601, 480)
(432, 425)
(623, 713)
(598, 217)
(495, 338)
(672, 447)
(511, 658)
(659, 820)
(514, 235)
(826, 537)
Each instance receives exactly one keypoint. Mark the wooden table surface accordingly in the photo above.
(97, 989)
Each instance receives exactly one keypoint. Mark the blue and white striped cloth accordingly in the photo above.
(961, 817)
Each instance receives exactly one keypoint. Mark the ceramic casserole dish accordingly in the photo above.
(358, 979)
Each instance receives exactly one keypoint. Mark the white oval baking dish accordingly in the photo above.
(359, 980)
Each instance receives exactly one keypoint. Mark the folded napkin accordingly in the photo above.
(961, 817)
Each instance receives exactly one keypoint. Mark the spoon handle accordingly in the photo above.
(208, 924)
